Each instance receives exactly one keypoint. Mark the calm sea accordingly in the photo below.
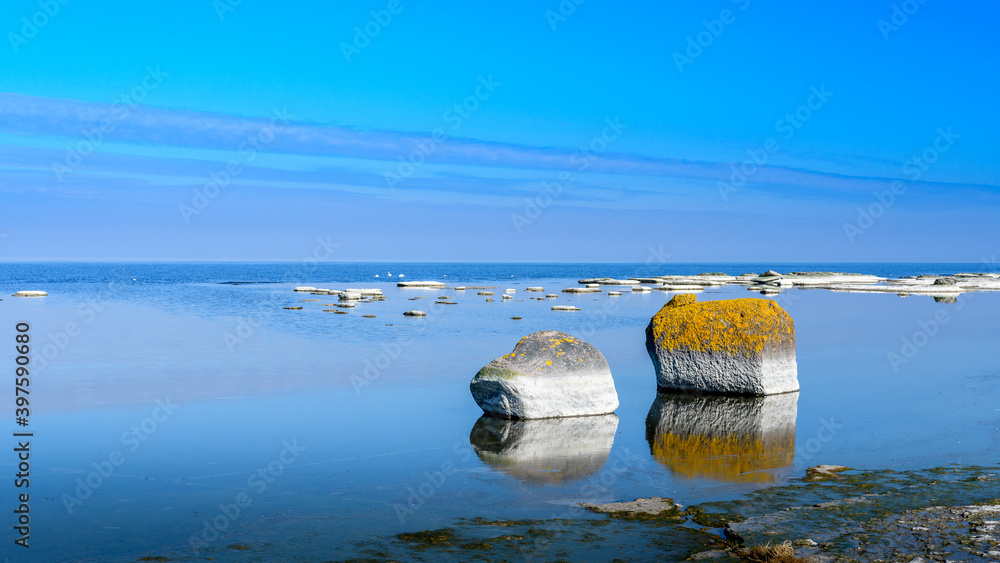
(176, 413)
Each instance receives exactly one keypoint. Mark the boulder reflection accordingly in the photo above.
(730, 439)
(550, 450)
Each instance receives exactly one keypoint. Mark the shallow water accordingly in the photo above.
(313, 433)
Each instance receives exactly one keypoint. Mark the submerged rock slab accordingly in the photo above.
(550, 450)
(639, 509)
(727, 439)
(735, 346)
(549, 374)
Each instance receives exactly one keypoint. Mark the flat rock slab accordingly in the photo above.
(734, 346)
(421, 284)
(414, 313)
(653, 506)
(30, 293)
(548, 374)
(565, 308)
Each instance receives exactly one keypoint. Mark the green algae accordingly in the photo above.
(853, 517)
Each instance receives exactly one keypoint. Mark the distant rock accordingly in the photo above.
(34, 293)
(582, 290)
(510, 290)
(420, 284)
(551, 296)
(594, 285)
(614, 294)
(304, 288)
(505, 296)
(460, 288)
(534, 289)
(565, 308)
(549, 374)
(607, 281)
(736, 346)
(641, 289)
(415, 314)
(769, 274)
(292, 308)
(485, 293)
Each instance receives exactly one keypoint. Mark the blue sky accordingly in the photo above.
(515, 131)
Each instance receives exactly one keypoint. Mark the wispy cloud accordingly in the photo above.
(324, 156)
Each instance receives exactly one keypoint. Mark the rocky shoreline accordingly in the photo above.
(833, 514)
(932, 285)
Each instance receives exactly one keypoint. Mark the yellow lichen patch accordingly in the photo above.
(682, 300)
(732, 459)
(734, 326)
(548, 362)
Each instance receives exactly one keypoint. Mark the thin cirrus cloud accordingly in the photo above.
(336, 155)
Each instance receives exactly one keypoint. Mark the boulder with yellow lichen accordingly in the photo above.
(549, 374)
(735, 346)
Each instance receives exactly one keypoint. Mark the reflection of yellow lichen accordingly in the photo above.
(733, 459)
(734, 326)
